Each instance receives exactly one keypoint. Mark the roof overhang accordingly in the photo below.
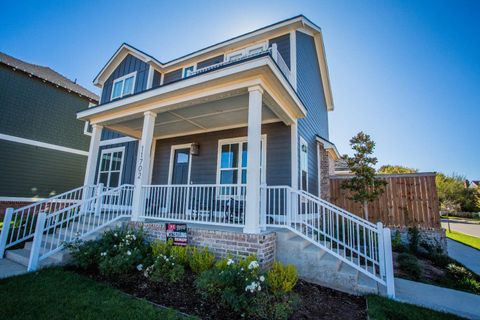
(273, 30)
(230, 80)
(330, 148)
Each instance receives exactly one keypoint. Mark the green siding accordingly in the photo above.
(37, 110)
(28, 171)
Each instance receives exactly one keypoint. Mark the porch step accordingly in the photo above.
(22, 256)
(316, 265)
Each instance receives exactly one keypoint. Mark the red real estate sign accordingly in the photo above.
(177, 232)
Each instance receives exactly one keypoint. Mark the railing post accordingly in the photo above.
(388, 257)
(381, 250)
(37, 242)
(288, 215)
(5, 230)
(99, 201)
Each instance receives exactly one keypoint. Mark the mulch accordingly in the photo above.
(316, 302)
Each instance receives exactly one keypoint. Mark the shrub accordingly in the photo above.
(85, 254)
(180, 254)
(165, 268)
(414, 239)
(161, 248)
(282, 279)
(409, 264)
(200, 260)
(397, 244)
(464, 279)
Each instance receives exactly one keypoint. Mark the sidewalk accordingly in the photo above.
(9, 268)
(437, 298)
(466, 255)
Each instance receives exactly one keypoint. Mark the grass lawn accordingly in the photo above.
(464, 238)
(53, 294)
(380, 308)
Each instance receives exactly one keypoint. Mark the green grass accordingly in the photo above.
(53, 294)
(380, 308)
(466, 239)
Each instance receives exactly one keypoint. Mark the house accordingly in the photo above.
(43, 148)
(233, 140)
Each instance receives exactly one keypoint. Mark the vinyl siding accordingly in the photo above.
(210, 62)
(204, 166)
(172, 76)
(29, 171)
(310, 91)
(37, 110)
(128, 65)
(283, 46)
(157, 76)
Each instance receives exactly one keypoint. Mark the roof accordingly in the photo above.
(299, 20)
(47, 74)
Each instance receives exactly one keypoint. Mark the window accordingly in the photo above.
(303, 165)
(255, 49)
(187, 71)
(124, 85)
(232, 161)
(87, 128)
(111, 165)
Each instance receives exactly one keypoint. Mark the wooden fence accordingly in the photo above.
(409, 200)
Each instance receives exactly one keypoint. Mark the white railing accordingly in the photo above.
(78, 221)
(220, 204)
(277, 57)
(355, 241)
(19, 224)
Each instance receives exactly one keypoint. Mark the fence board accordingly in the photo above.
(409, 200)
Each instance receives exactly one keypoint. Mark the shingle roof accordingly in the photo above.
(47, 74)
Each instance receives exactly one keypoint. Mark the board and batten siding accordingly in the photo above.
(30, 171)
(310, 91)
(283, 46)
(128, 65)
(204, 166)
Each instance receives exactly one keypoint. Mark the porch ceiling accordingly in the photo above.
(214, 115)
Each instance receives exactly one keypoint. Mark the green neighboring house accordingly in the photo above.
(43, 147)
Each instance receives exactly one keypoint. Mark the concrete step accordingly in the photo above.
(22, 256)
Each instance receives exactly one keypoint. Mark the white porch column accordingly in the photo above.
(294, 154)
(93, 155)
(252, 212)
(142, 169)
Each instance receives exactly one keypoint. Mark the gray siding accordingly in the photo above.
(310, 91)
(29, 171)
(172, 76)
(128, 65)
(210, 62)
(283, 46)
(157, 76)
(204, 166)
(37, 110)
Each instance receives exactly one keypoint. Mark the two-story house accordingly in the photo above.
(233, 140)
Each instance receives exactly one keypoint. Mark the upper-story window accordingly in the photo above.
(124, 85)
(187, 71)
(239, 54)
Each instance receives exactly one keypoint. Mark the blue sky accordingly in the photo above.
(406, 72)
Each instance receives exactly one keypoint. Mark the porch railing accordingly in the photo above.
(220, 204)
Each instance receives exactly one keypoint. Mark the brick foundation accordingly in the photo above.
(434, 237)
(221, 242)
(325, 165)
(11, 204)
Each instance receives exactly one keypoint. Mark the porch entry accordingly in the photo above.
(180, 165)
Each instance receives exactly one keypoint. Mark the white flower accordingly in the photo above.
(115, 234)
(134, 238)
(253, 265)
(140, 267)
(262, 278)
(230, 261)
(252, 286)
(103, 254)
(129, 253)
(259, 288)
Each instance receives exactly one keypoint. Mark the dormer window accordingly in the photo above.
(124, 86)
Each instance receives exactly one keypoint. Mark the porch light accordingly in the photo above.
(194, 149)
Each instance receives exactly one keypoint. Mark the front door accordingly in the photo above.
(180, 177)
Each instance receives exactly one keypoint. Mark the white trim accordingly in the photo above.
(172, 158)
(303, 142)
(330, 148)
(241, 140)
(293, 58)
(122, 79)
(319, 170)
(150, 77)
(245, 51)
(111, 150)
(42, 144)
(20, 199)
(294, 154)
(194, 66)
(85, 129)
(116, 140)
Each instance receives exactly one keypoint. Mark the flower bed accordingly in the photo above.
(191, 280)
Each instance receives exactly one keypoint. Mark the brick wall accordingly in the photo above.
(221, 242)
(11, 204)
(325, 165)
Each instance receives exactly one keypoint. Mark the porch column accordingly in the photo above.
(93, 155)
(143, 163)
(252, 212)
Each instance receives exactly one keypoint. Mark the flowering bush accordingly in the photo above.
(165, 268)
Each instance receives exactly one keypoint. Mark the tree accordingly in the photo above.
(390, 169)
(454, 195)
(364, 186)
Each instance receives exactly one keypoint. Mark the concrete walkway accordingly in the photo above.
(466, 255)
(437, 298)
(9, 268)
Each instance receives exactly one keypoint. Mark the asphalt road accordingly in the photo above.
(471, 228)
